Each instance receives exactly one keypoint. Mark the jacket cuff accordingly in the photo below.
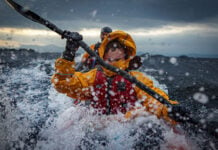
(64, 67)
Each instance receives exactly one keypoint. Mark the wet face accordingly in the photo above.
(114, 54)
(103, 35)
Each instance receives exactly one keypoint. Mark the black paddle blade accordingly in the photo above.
(33, 16)
(26, 12)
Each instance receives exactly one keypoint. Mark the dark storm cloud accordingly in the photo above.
(129, 13)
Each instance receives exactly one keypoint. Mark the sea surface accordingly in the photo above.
(33, 115)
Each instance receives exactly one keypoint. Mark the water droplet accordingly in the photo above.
(200, 97)
(173, 60)
(161, 72)
(170, 78)
(187, 74)
(201, 89)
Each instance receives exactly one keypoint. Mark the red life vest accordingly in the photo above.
(112, 95)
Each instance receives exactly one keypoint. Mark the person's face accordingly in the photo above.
(114, 54)
(103, 35)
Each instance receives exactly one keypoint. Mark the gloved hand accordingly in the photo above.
(72, 44)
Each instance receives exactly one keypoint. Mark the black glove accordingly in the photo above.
(72, 44)
(70, 50)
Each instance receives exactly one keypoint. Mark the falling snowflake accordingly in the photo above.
(94, 13)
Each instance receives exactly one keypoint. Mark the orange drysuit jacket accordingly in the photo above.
(78, 85)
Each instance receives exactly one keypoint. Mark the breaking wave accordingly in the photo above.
(35, 116)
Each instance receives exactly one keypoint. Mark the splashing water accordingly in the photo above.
(35, 116)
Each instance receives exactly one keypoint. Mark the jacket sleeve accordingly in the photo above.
(86, 55)
(74, 84)
(151, 104)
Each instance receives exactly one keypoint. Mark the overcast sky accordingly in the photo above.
(169, 27)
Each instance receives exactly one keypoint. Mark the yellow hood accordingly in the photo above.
(125, 39)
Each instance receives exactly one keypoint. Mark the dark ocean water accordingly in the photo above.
(33, 114)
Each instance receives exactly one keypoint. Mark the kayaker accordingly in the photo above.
(108, 92)
(87, 60)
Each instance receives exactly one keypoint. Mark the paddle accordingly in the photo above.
(174, 110)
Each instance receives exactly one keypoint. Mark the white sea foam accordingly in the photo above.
(58, 124)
